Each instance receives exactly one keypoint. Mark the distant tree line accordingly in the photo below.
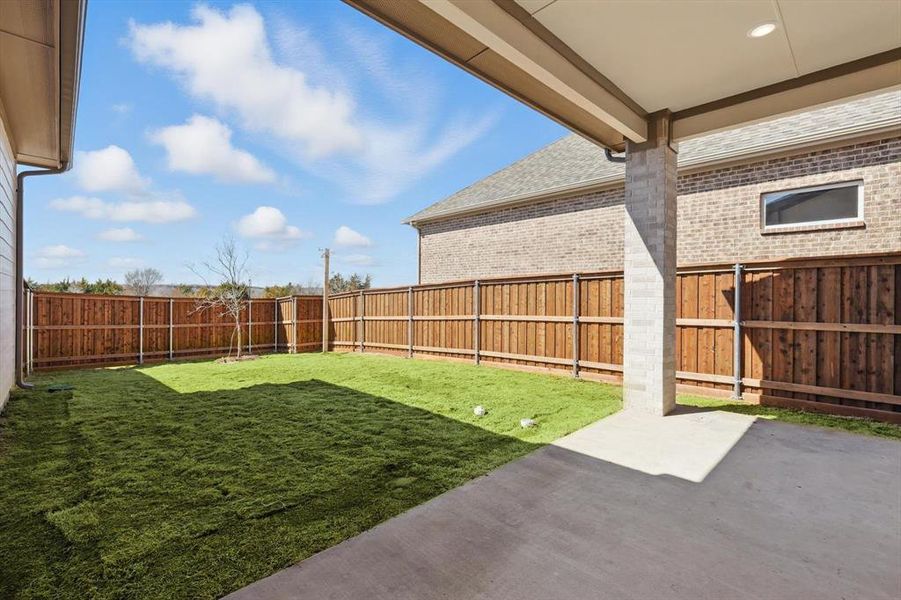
(139, 282)
(143, 282)
(291, 289)
(78, 286)
(338, 283)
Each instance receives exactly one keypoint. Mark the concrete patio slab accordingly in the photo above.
(788, 512)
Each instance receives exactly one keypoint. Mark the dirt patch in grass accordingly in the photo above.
(225, 360)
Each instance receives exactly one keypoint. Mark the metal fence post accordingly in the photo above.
(141, 331)
(171, 327)
(250, 325)
(575, 325)
(410, 322)
(325, 290)
(736, 335)
(30, 340)
(476, 312)
(362, 321)
(26, 332)
(353, 328)
(26, 315)
(294, 324)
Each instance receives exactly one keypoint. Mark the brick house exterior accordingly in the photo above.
(719, 206)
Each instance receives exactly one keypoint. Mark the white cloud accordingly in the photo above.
(203, 146)
(420, 134)
(269, 226)
(60, 251)
(124, 262)
(149, 211)
(122, 108)
(305, 108)
(121, 234)
(359, 260)
(110, 169)
(267, 221)
(225, 58)
(398, 156)
(345, 236)
(58, 256)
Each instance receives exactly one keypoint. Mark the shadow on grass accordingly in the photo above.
(143, 492)
(129, 488)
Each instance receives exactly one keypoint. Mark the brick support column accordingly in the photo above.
(649, 377)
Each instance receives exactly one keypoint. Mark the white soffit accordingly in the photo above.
(600, 66)
(676, 54)
(824, 33)
(29, 79)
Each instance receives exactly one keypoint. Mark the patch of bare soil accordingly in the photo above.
(233, 359)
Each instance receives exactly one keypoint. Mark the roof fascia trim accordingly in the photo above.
(590, 185)
(73, 16)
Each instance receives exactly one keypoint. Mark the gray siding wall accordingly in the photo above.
(7, 265)
(718, 220)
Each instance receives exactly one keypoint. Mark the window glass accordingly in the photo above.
(812, 205)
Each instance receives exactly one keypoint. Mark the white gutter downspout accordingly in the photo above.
(20, 263)
(78, 47)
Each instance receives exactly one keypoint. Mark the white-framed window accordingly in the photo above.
(833, 203)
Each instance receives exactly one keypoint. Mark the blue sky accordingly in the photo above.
(290, 125)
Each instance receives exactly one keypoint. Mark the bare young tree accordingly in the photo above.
(141, 281)
(229, 296)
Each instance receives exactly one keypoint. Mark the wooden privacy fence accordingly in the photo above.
(819, 334)
(68, 330)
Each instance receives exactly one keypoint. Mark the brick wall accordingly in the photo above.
(724, 206)
(718, 220)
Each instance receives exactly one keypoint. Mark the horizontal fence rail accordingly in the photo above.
(820, 334)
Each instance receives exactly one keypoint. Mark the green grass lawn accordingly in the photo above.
(798, 417)
(191, 480)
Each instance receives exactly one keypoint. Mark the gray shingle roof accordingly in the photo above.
(573, 162)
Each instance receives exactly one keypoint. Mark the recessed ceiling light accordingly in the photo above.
(762, 30)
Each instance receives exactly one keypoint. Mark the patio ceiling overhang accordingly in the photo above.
(600, 68)
(40, 57)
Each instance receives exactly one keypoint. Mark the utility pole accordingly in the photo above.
(325, 319)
